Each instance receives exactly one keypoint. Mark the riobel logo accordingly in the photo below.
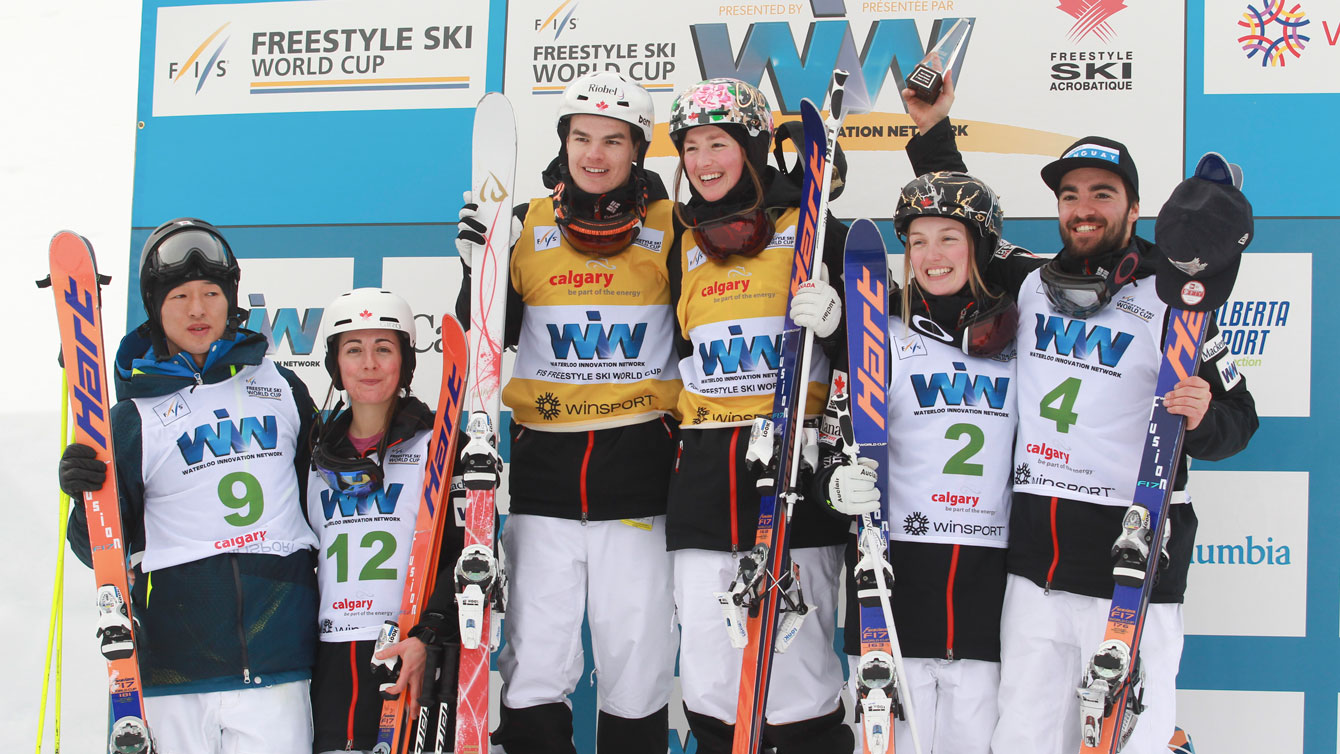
(736, 355)
(227, 437)
(596, 341)
(359, 505)
(1076, 339)
(960, 388)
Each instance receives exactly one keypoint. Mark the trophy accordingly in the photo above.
(927, 78)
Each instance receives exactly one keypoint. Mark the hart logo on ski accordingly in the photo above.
(871, 375)
(1075, 339)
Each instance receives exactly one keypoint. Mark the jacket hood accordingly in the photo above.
(140, 374)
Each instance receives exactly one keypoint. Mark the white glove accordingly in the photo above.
(851, 489)
(470, 232)
(815, 305)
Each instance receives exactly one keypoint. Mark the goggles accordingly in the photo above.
(744, 233)
(1082, 295)
(350, 476)
(601, 237)
(184, 249)
(987, 332)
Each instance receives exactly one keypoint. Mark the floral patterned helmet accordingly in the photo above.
(721, 102)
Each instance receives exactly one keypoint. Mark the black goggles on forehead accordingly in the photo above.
(744, 233)
(349, 476)
(181, 249)
(1082, 295)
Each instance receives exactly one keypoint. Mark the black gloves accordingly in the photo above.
(81, 471)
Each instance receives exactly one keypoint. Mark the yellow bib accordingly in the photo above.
(733, 312)
(597, 335)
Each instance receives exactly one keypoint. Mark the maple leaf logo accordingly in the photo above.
(602, 105)
(840, 384)
(365, 314)
(1091, 17)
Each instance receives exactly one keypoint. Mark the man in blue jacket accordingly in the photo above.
(210, 449)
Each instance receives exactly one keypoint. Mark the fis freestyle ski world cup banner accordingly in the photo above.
(331, 142)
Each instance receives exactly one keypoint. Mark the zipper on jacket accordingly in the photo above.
(734, 497)
(241, 628)
(353, 695)
(949, 605)
(1056, 552)
(586, 463)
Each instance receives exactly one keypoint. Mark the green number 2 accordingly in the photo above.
(252, 498)
(372, 570)
(1064, 415)
(957, 463)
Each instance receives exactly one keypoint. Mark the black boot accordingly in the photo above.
(622, 735)
(542, 729)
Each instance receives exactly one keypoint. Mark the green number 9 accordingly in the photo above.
(252, 498)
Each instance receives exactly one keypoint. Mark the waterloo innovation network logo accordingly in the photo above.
(1274, 33)
(1091, 17)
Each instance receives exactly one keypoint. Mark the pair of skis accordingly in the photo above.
(434, 508)
(480, 581)
(861, 404)
(77, 286)
(1111, 690)
(766, 575)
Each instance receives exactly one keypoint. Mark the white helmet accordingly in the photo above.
(612, 95)
(368, 309)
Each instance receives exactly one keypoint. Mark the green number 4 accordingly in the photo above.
(1064, 414)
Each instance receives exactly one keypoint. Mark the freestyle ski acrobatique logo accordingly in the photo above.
(1091, 17)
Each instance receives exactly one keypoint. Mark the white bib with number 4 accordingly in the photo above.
(1085, 387)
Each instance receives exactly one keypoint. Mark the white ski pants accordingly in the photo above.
(617, 574)
(806, 679)
(953, 704)
(266, 720)
(1046, 642)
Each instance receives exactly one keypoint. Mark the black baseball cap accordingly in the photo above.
(1200, 235)
(1094, 152)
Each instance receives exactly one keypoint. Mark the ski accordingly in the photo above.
(77, 285)
(881, 682)
(480, 576)
(434, 510)
(766, 572)
(1111, 691)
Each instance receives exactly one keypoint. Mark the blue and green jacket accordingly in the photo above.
(226, 622)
